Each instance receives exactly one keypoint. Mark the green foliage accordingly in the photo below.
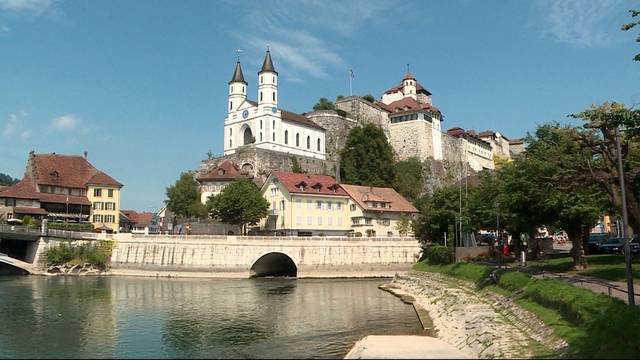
(408, 179)
(367, 158)
(404, 225)
(81, 227)
(184, 197)
(439, 212)
(369, 98)
(438, 255)
(631, 25)
(28, 221)
(324, 104)
(97, 254)
(295, 165)
(240, 203)
(6, 180)
(339, 97)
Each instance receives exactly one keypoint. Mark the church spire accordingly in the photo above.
(267, 64)
(237, 74)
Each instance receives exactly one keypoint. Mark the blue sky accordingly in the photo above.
(142, 85)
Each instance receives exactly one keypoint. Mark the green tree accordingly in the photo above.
(369, 98)
(404, 226)
(295, 165)
(324, 104)
(408, 179)
(439, 214)
(6, 180)
(184, 197)
(631, 25)
(241, 203)
(367, 158)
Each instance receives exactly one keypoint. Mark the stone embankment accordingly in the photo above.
(479, 323)
(78, 269)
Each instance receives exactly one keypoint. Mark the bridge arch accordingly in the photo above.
(274, 264)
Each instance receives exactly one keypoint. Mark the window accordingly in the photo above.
(355, 221)
(309, 220)
(318, 204)
(308, 142)
(282, 205)
(383, 205)
(286, 137)
(329, 220)
(230, 105)
(353, 207)
(273, 136)
(308, 204)
(274, 79)
(110, 206)
(230, 143)
(298, 140)
(98, 205)
(261, 79)
(260, 95)
(298, 204)
(375, 204)
(260, 124)
(318, 144)
(329, 205)
(384, 222)
(298, 220)
(273, 124)
(367, 221)
(339, 206)
(243, 89)
(230, 131)
(274, 191)
(274, 96)
(319, 220)
(110, 193)
(97, 218)
(261, 136)
(97, 192)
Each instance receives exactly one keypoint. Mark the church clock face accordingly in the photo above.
(274, 109)
(245, 114)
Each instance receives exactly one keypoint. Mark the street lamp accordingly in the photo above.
(625, 222)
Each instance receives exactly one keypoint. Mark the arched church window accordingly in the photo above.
(308, 142)
(231, 88)
(260, 124)
(260, 79)
(260, 136)
(274, 79)
(273, 124)
(230, 143)
(318, 144)
(260, 95)
(274, 96)
(273, 137)
(230, 105)
(230, 131)
(298, 140)
(243, 89)
(286, 137)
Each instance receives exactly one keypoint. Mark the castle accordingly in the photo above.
(260, 137)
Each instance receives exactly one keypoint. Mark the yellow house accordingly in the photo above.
(376, 211)
(305, 205)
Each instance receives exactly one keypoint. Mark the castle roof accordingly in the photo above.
(225, 171)
(364, 195)
(397, 88)
(237, 75)
(267, 64)
(407, 103)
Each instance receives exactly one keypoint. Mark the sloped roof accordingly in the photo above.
(69, 171)
(142, 219)
(267, 64)
(292, 182)
(224, 171)
(293, 117)
(101, 178)
(237, 75)
(419, 88)
(29, 210)
(407, 103)
(364, 194)
(24, 189)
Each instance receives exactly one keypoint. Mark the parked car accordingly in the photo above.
(596, 240)
(611, 246)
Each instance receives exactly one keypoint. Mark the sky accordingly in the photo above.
(142, 85)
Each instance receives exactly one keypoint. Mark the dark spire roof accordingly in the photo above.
(237, 75)
(267, 65)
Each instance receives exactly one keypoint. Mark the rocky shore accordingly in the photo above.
(78, 269)
(478, 323)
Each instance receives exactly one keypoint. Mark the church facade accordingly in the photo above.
(262, 124)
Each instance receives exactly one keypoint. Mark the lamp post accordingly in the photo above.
(625, 222)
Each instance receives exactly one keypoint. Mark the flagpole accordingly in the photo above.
(350, 82)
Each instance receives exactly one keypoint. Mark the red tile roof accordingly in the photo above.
(24, 189)
(142, 219)
(69, 171)
(419, 88)
(310, 183)
(29, 210)
(408, 103)
(101, 178)
(364, 194)
(226, 171)
(516, 142)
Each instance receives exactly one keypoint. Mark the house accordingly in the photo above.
(64, 188)
(378, 211)
(305, 205)
(216, 179)
(140, 223)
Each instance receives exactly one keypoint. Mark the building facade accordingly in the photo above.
(215, 180)
(64, 188)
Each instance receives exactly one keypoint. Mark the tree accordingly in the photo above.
(241, 203)
(631, 25)
(367, 158)
(408, 179)
(295, 166)
(439, 214)
(324, 104)
(369, 98)
(184, 197)
(6, 180)
(404, 225)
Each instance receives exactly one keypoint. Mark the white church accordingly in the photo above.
(263, 124)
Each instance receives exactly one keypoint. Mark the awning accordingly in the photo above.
(68, 216)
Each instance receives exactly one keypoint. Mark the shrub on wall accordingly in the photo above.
(96, 254)
(438, 255)
(83, 227)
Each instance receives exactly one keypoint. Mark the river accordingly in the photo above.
(131, 317)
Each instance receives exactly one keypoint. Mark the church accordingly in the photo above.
(263, 124)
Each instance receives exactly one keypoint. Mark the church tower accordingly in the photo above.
(268, 83)
(237, 89)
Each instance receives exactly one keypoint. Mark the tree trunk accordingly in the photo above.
(577, 252)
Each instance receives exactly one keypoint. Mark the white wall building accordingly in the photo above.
(263, 123)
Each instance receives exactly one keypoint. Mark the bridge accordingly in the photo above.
(256, 256)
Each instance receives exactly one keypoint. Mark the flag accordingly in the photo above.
(351, 73)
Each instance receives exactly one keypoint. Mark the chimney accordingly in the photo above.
(85, 154)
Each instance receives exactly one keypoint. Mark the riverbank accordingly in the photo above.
(246, 274)
(403, 347)
(478, 324)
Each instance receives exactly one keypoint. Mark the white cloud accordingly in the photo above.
(15, 126)
(580, 23)
(33, 6)
(65, 122)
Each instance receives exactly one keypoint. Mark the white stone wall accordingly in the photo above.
(238, 254)
(412, 138)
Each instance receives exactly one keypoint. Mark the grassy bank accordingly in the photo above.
(594, 325)
(608, 267)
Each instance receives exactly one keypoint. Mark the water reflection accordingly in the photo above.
(195, 318)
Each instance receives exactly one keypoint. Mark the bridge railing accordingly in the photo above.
(65, 234)
(182, 237)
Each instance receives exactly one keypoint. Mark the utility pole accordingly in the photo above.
(625, 223)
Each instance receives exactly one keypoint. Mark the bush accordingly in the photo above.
(82, 227)
(438, 255)
(97, 254)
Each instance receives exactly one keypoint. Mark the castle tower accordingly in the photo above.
(237, 89)
(409, 87)
(268, 83)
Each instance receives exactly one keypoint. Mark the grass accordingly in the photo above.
(604, 266)
(594, 325)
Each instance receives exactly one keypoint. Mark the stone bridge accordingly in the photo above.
(252, 256)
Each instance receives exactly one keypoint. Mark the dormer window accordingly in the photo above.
(333, 188)
(220, 172)
(54, 173)
(317, 187)
(301, 185)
